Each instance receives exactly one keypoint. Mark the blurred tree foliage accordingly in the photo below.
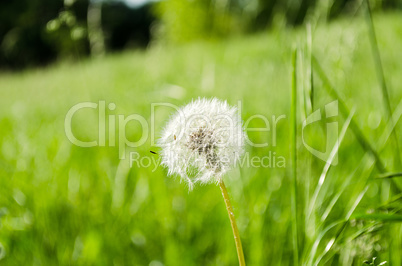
(183, 20)
(125, 26)
(22, 31)
(35, 32)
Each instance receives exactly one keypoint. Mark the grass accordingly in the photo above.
(293, 141)
(62, 204)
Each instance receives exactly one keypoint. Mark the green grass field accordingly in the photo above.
(61, 204)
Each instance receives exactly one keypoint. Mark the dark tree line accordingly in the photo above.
(36, 32)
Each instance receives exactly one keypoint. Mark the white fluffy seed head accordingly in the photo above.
(202, 141)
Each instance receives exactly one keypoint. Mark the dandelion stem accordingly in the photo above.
(232, 219)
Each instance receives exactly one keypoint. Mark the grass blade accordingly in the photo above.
(310, 88)
(379, 217)
(345, 111)
(357, 201)
(381, 78)
(328, 163)
(308, 94)
(366, 171)
(319, 238)
(390, 127)
(294, 158)
(389, 175)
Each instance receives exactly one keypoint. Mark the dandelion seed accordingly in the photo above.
(202, 141)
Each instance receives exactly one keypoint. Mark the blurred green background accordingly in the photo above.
(61, 204)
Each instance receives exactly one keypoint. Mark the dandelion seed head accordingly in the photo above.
(202, 141)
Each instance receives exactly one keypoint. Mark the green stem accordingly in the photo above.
(232, 219)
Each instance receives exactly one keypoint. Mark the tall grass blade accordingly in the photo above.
(385, 136)
(310, 92)
(345, 184)
(328, 163)
(357, 201)
(345, 111)
(293, 144)
(334, 200)
(390, 127)
(366, 172)
(389, 175)
(348, 218)
(390, 201)
(316, 244)
(381, 78)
